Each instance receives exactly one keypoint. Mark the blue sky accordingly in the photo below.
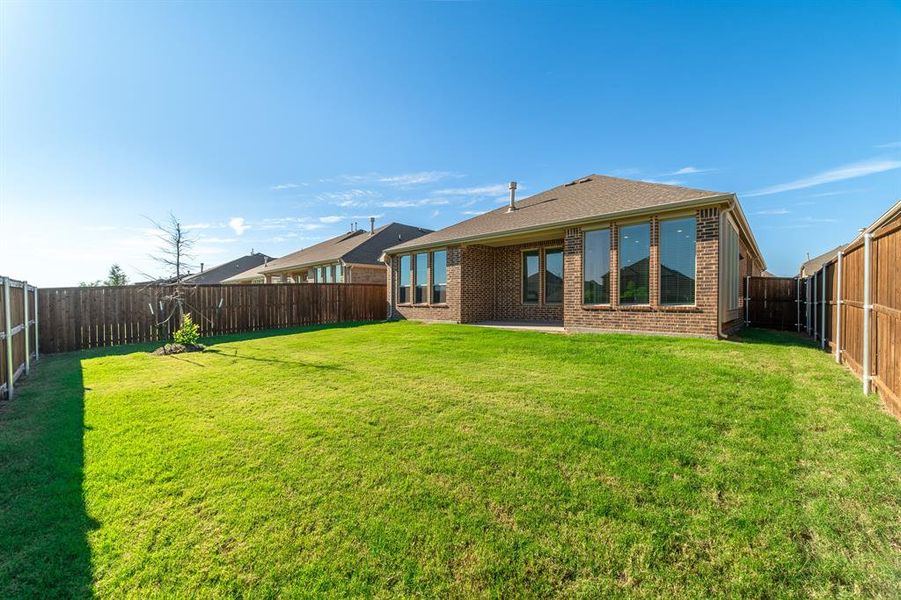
(273, 126)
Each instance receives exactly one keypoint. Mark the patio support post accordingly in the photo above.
(10, 373)
(838, 308)
(867, 307)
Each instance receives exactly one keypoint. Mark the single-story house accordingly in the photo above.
(812, 265)
(352, 257)
(596, 254)
(220, 273)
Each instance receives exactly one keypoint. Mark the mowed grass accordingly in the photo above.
(405, 459)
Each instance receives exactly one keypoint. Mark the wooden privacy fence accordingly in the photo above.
(851, 305)
(18, 334)
(93, 317)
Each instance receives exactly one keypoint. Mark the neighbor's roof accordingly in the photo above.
(220, 273)
(586, 198)
(354, 247)
(813, 265)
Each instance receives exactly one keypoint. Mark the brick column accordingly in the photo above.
(572, 274)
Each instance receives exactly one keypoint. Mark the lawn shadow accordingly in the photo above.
(773, 337)
(44, 551)
(233, 353)
(264, 333)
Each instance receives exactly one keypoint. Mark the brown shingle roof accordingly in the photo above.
(355, 247)
(585, 198)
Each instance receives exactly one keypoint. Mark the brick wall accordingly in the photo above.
(365, 274)
(450, 311)
(700, 319)
(485, 283)
(508, 285)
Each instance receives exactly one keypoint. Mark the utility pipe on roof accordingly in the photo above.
(867, 307)
(838, 308)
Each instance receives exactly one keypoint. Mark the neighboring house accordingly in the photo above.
(598, 253)
(814, 264)
(220, 273)
(352, 257)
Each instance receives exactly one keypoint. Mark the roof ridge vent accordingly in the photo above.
(585, 180)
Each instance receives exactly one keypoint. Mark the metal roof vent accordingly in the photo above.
(512, 206)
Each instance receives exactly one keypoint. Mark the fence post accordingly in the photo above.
(813, 301)
(838, 308)
(823, 310)
(798, 302)
(10, 385)
(747, 299)
(26, 332)
(865, 364)
(807, 305)
(37, 344)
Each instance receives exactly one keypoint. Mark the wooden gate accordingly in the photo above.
(775, 302)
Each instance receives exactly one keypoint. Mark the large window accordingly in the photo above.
(596, 267)
(531, 278)
(553, 276)
(634, 262)
(677, 261)
(439, 276)
(730, 276)
(422, 277)
(339, 273)
(403, 281)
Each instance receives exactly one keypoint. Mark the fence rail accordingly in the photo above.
(18, 334)
(94, 317)
(851, 305)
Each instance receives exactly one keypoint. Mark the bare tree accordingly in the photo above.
(175, 252)
(175, 258)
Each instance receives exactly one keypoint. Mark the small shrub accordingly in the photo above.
(189, 334)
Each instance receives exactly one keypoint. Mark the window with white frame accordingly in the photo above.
(439, 276)
(553, 275)
(421, 275)
(403, 280)
(677, 261)
(531, 277)
(596, 267)
(634, 263)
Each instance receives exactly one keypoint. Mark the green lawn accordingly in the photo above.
(441, 460)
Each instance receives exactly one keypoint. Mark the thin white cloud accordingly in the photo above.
(773, 211)
(354, 197)
(194, 226)
(690, 171)
(849, 171)
(665, 181)
(401, 180)
(331, 218)
(837, 193)
(435, 213)
(414, 203)
(890, 145)
(483, 190)
(284, 186)
(238, 225)
(473, 213)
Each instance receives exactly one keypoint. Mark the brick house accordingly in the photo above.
(352, 257)
(596, 254)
